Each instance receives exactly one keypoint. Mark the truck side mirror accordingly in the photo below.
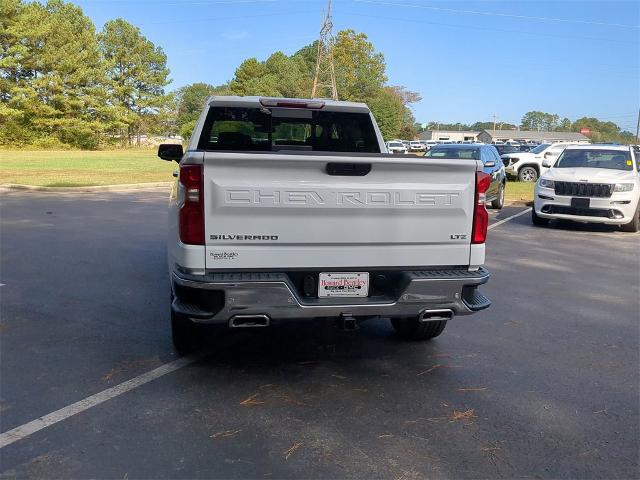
(170, 152)
(547, 163)
(489, 164)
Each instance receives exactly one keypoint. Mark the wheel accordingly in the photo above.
(541, 222)
(413, 329)
(527, 174)
(183, 334)
(498, 203)
(634, 225)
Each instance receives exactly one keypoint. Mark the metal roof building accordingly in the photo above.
(487, 136)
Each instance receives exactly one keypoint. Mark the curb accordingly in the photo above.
(95, 188)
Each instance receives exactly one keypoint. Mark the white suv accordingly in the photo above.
(527, 166)
(591, 184)
(416, 146)
(396, 147)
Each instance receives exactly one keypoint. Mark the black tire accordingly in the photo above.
(539, 221)
(527, 174)
(184, 334)
(412, 329)
(498, 203)
(634, 225)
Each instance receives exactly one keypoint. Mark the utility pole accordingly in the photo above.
(324, 81)
(494, 126)
(638, 127)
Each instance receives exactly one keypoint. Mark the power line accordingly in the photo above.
(491, 29)
(234, 17)
(497, 14)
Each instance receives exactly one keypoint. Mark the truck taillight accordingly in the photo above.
(480, 214)
(192, 211)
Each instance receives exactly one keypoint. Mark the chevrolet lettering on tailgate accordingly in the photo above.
(337, 199)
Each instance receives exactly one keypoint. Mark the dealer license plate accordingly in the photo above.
(343, 284)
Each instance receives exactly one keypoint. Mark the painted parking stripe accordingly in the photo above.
(23, 431)
(505, 220)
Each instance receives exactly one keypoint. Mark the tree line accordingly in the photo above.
(599, 131)
(66, 84)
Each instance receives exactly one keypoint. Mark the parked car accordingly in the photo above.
(416, 146)
(504, 149)
(396, 147)
(591, 184)
(428, 144)
(492, 166)
(287, 209)
(527, 166)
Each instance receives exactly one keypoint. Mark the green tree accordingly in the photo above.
(52, 77)
(565, 125)
(12, 74)
(603, 131)
(360, 76)
(360, 69)
(278, 76)
(388, 109)
(137, 72)
(190, 100)
(536, 120)
(478, 126)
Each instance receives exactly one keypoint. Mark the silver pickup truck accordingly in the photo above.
(292, 209)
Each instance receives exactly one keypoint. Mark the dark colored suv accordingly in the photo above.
(489, 156)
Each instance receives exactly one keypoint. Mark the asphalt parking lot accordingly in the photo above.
(544, 384)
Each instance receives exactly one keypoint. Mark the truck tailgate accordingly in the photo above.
(284, 211)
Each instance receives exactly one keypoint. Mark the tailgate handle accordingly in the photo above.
(348, 169)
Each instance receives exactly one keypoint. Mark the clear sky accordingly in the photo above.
(468, 60)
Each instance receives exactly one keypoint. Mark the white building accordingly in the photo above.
(451, 135)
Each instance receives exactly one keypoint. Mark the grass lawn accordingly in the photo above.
(519, 191)
(83, 168)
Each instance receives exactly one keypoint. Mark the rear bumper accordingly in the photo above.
(274, 296)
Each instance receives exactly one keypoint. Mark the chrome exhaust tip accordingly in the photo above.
(435, 315)
(249, 321)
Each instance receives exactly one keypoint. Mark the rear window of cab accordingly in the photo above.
(261, 129)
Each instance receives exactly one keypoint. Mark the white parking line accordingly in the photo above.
(505, 220)
(23, 431)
